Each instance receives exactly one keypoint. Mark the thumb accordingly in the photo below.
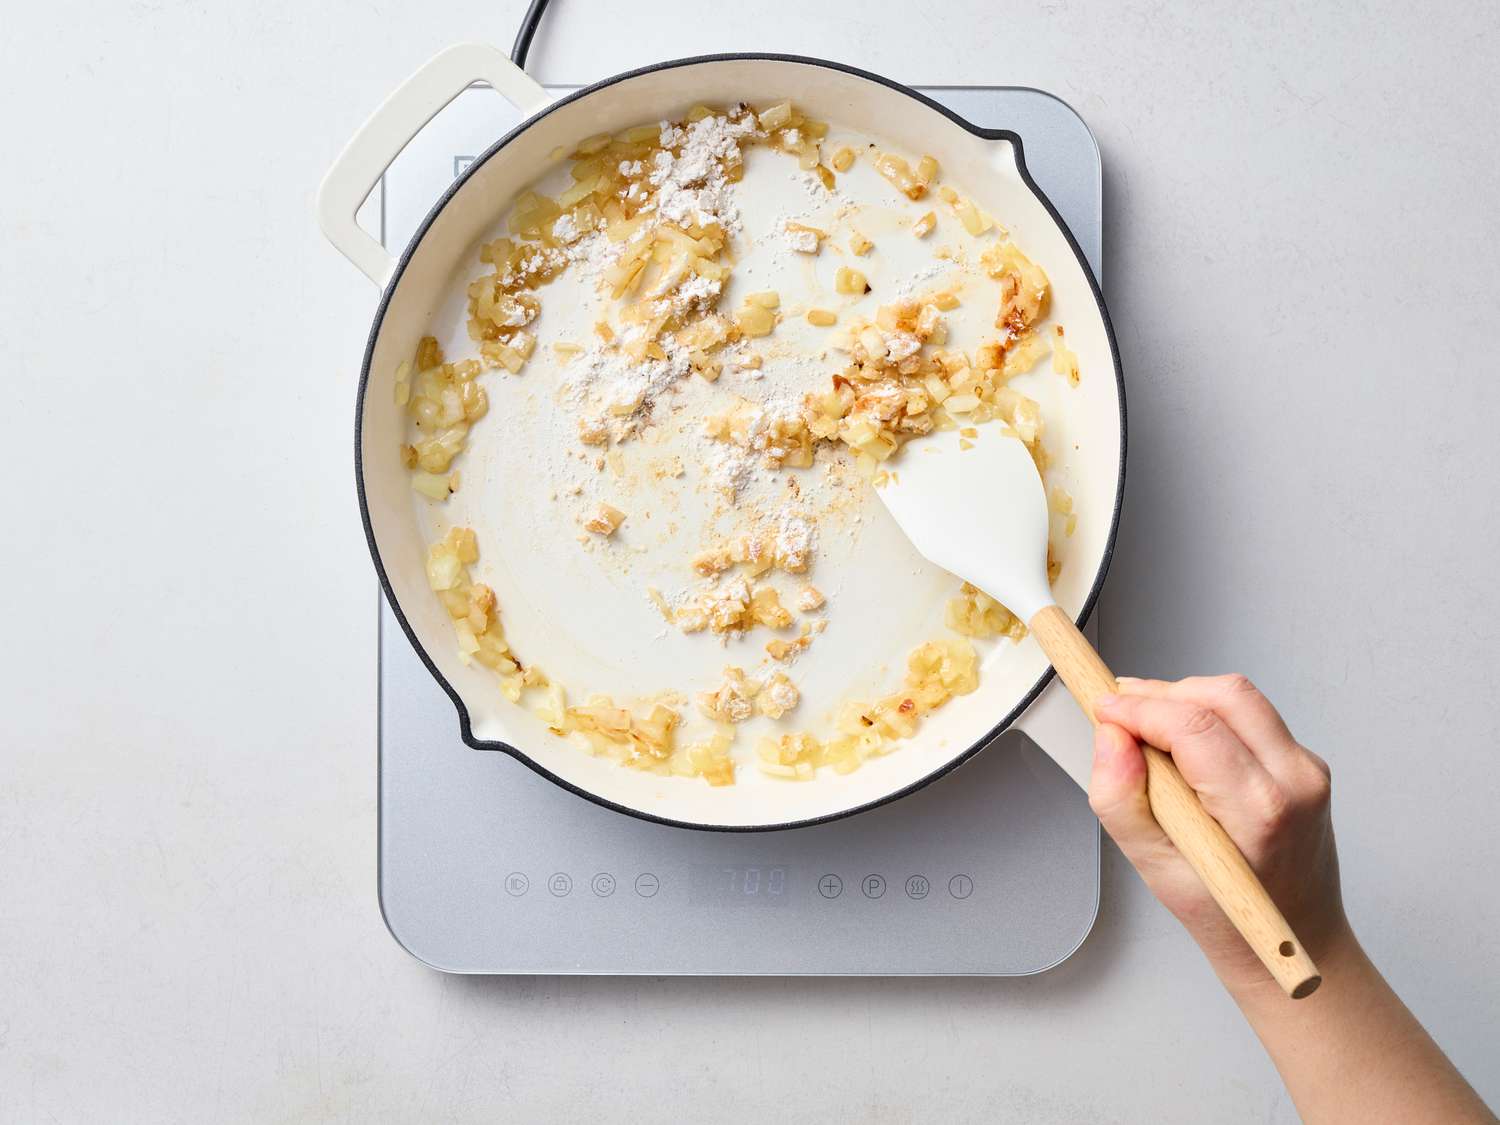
(1117, 794)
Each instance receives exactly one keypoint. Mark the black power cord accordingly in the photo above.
(527, 30)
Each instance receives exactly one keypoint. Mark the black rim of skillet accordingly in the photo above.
(521, 756)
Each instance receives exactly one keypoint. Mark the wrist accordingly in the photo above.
(1335, 950)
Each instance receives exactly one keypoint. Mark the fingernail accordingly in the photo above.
(1108, 700)
(1125, 681)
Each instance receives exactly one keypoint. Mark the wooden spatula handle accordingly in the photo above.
(1197, 835)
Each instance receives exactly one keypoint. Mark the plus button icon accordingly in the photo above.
(830, 886)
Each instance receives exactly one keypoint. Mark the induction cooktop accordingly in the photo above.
(486, 867)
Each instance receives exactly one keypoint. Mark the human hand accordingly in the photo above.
(1270, 793)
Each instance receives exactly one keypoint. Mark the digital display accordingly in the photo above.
(739, 884)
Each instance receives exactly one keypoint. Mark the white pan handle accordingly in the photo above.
(413, 104)
(1057, 724)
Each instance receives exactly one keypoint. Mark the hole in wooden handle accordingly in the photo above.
(1286, 949)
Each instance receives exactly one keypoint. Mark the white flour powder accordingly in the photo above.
(692, 187)
(623, 392)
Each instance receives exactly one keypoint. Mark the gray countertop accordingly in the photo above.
(1302, 259)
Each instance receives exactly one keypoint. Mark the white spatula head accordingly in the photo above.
(976, 506)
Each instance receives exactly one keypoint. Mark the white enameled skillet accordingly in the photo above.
(568, 616)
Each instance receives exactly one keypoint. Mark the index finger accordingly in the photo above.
(1239, 703)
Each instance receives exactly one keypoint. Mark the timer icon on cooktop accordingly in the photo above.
(603, 884)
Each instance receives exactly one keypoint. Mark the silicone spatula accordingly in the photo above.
(976, 506)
